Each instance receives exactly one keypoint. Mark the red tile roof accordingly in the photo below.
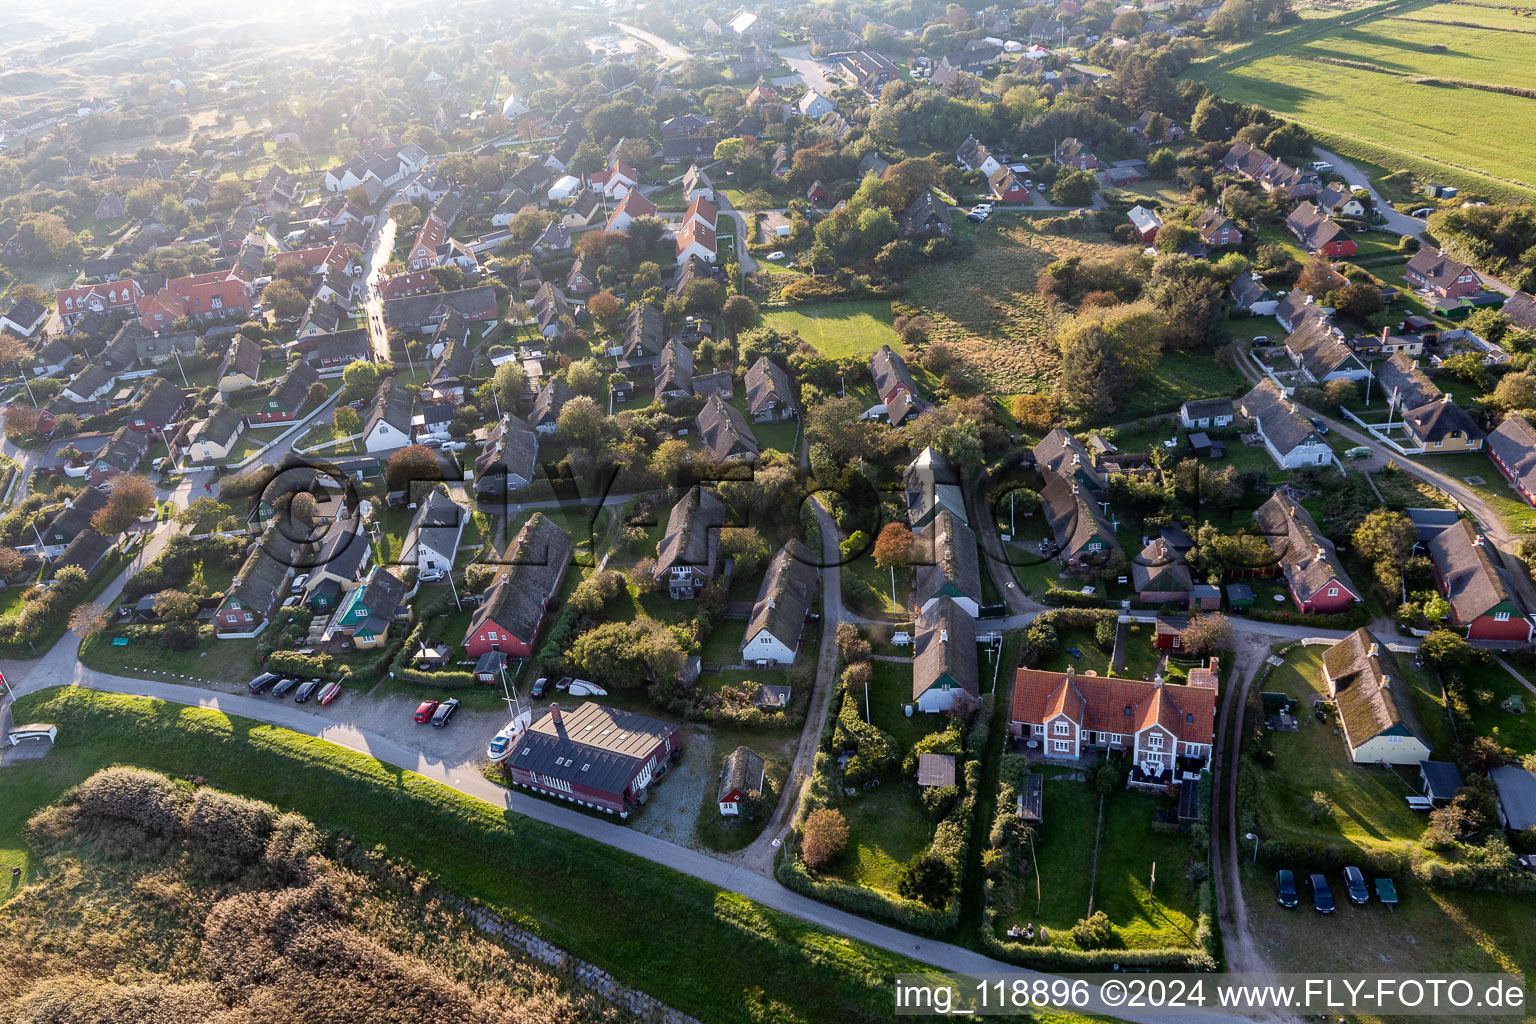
(1098, 703)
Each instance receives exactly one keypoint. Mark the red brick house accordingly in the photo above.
(1165, 730)
(1432, 271)
(508, 619)
(817, 193)
(1007, 188)
(1318, 233)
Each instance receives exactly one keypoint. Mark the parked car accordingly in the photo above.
(1322, 896)
(1359, 451)
(454, 446)
(1354, 884)
(979, 214)
(430, 576)
(306, 691)
(285, 687)
(298, 583)
(1319, 426)
(540, 687)
(425, 710)
(263, 682)
(1423, 211)
(445, 711)
(777, 254)
(1285, 888)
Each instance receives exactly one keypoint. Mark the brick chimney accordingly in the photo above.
(554, 713)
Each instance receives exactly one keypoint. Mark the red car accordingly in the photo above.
(424, 710)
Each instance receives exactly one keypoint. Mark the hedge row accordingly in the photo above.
(1201, 957)
(441, 680)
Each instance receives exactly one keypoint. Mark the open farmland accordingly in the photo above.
(1365, 90)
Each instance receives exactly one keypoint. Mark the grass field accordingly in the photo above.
(1144, 916)
(1375, 107)
(1367, 806)
(1484, 696)
(590, 899)
(838, 329)
(886, 828)
(1495, 491)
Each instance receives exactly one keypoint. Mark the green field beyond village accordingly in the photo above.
(1420, 87)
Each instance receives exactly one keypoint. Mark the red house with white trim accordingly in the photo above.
(1476, 586)
(1308, 562)
(508, 619)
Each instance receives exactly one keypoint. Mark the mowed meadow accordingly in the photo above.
(1362, 89)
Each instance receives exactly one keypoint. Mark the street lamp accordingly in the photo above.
(1250, 835)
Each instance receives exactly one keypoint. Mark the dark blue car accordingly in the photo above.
(1285, 887)
(1322, 896)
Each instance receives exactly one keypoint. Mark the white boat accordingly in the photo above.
(582, 688)
(501, 744)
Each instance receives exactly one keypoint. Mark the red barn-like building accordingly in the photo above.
(595, 756)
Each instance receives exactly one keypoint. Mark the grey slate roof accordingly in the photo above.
(1514, 442)
(438, 522)
(1314, 228)
(598, 747)
(531, 569)
(391, 404)
(767, 381)
(944, 645)
(1075, 520)
(1285, 428)
(292, 391)
(742, 770)
(243, 356)
(1476, 583)
(221, 426)
(955, 567)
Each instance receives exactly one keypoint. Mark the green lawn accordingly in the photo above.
(1140, 656)
(1145, 915)
(1093, 659)
(724, 643)
(227, 661)
(1376, 108)
(838, 329)
(1367, 806)
(590, 899)
(10, 601)
(1484, 696)
(887, 827)
(867, 588)
(890, 691)
(780, 435)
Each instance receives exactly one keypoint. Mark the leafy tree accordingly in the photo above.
(738, 314)
(1516, 391)
(960, 442)
(411, 463)
(361, 375)
(1385, 535)
(346, 421)
(1358, 300)
(1091, 378)
(894, 546)
(131, 497)
(581, 421)
(1206, 634)
(823, 836)
(1074, 187)
(604, 306)
(1318, 277)
(1339, 391)
(407, 216)
(176, 605)
(507, 383)
(10, 562)
(928, 879)
(1037, 413)
(283, 299)
(1209, 122)
(746, 546)
(204, 514)
(1447, 651)
(316, 393)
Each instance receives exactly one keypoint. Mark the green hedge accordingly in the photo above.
(304, 666)
(1352, 619)
(909, 914)
(1201, 957)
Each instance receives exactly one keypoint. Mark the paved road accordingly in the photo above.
(1398, 222)
(381, 241)
(61, 667)
(663, 47)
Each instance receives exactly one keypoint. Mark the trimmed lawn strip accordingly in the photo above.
(839, 329)
(595, 901)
